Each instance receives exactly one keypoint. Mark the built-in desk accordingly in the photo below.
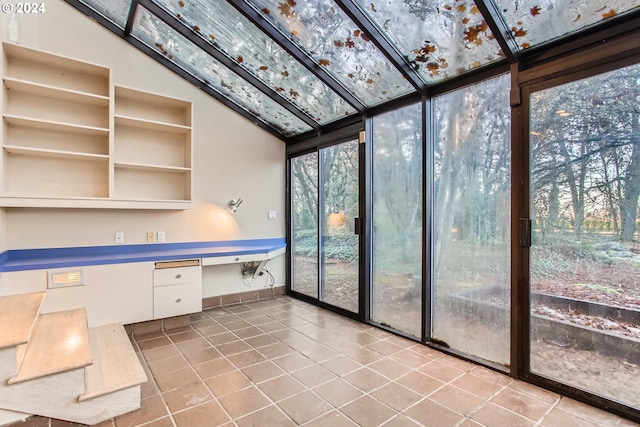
(121, 283)
(211, 253)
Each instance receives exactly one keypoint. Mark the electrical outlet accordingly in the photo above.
(119, 238)
(272, 215)
(160, 236)
(151, 236)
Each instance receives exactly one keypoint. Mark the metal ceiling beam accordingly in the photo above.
(130, 17)
(221, 57)
(362, 21)
(499, 29)
(300, 55)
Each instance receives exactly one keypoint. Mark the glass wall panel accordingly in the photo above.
(396, 295)
(585, 256)
(221, 25)
(340, 245)
(161, 38)
(533, 22)
(471, 220)
(327, 34)
(441, 38)
(304, 224)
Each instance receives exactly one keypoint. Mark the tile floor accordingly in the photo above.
(283, 362)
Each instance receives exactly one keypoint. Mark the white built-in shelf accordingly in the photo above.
(71, 139)
(92, 203)
(49, 91)
(145, 167)
(28, 151)
(35, 123)
(151, 124)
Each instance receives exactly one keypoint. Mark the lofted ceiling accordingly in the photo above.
(297, 67)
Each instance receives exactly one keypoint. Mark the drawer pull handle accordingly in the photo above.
(178, 276)
(179, 300)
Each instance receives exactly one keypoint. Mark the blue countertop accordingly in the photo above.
(37, 259)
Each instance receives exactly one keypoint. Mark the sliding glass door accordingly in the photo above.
(325, 202)
(340, 251)
(584, 318)
(396, 290)
(471, 220)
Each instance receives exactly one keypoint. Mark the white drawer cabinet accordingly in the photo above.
(177, 290)
(176, 300)
(176, 276)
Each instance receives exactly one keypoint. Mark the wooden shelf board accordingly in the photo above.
(151, 124)
(56, 92)
(14, 149)
(59, 343)
(149, 98)
(92, 203)
(40, 57)
(18, 313)
(115, 365)
(54, 125)
(146, 167)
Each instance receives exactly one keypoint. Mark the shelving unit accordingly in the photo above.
(72, 139)
(152, 146)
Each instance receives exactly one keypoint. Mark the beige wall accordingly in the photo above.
(232, 157)
(3, 232)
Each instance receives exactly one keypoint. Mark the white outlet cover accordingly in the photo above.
(272, 215)
(119, 238)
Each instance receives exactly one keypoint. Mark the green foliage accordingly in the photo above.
(343, 247)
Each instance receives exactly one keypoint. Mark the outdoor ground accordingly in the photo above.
(608, 275)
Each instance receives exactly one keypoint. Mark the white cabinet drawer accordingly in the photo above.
(176, 300)
(230, 259)
(176, 276)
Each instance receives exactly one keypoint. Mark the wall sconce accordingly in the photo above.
(234, 204)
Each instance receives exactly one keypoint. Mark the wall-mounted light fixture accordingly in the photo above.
(234, 204)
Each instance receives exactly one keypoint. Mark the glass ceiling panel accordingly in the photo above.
(160, 37)
(533, 22)
(441, 38)
(221, 25)
(327, 34)
(115, 11)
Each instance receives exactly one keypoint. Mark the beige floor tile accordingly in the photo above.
(278, 349)
(422, 384)
(281, 387)
(366, 379)
(491, 414)
(151, 409)
(396, 396)
(204, 355)
(333, 419)
(169, 364)
(176, 379)
(338, 392)
(158, 353)
(193, 345)
(262, 371)
(389, 368)
(341, 365)
(304, 407)
(478, 386)
(233, 347)
(271, 416)
(208, 414)
(522, 404)
(244, 401)
(456, 399)
(441, 371)
(431, 414)
(293, 361)
(401, 421)
(228, 383)
(368, 412)
(187, 396)
(246, 358)
(314, 375)
(213, 368)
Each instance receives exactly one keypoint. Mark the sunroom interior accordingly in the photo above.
(464, 174)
